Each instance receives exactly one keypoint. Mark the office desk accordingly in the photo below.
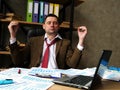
(106, 85)
(109, 85)
(61, 87)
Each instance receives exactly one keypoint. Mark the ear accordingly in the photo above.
(43, 26)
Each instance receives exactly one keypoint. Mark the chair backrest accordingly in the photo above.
(32, 32)
(35, 32)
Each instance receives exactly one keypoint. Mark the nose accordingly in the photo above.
(52, 23)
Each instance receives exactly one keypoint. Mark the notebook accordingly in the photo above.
(86, 82)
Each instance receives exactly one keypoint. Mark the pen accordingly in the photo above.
(6, 81)
(46, 76)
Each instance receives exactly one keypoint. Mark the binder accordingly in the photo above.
(51, 8)
(41, 12)
(35, 10)
(56, 9)
(29, 10)
(46, 8)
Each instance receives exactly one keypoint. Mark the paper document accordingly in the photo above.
(23, 81)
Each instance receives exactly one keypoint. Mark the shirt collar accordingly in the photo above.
(57, 36)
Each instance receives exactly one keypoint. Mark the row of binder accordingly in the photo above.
(37, 10)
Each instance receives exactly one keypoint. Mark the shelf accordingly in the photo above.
(5, 52)
(63, 25)
(21, 22)
(22, 45)
(8, 52)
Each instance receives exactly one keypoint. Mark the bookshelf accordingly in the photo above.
(66, 25)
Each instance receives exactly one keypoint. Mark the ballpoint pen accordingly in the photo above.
(6, 81)
(45, 76)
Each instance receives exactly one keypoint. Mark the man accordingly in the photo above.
(61, 54)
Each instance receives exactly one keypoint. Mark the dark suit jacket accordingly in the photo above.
(31, 54)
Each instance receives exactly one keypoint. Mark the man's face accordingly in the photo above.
(51, 25)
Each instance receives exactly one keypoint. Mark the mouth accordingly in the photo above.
(52, 29)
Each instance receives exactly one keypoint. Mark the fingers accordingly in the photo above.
(82, 28)
(13, 25)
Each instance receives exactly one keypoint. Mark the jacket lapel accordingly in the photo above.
(58, 44)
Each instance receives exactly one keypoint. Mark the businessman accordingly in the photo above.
(47, 51)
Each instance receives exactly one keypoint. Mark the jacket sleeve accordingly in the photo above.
(73, 56)
(20, 56)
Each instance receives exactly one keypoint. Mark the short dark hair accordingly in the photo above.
(52, 15)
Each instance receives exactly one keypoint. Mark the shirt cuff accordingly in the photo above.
(80, 47)
(13, 40)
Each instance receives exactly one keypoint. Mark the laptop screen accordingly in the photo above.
(101, 67)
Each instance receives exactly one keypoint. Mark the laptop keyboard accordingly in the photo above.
(82, 80)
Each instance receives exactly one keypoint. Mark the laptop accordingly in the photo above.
(86, 82)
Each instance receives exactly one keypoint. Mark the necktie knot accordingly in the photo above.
(53, 42)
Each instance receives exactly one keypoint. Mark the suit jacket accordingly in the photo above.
(30, 55)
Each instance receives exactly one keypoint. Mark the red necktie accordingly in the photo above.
(46, 54)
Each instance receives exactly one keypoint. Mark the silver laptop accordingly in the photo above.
(86, 82)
